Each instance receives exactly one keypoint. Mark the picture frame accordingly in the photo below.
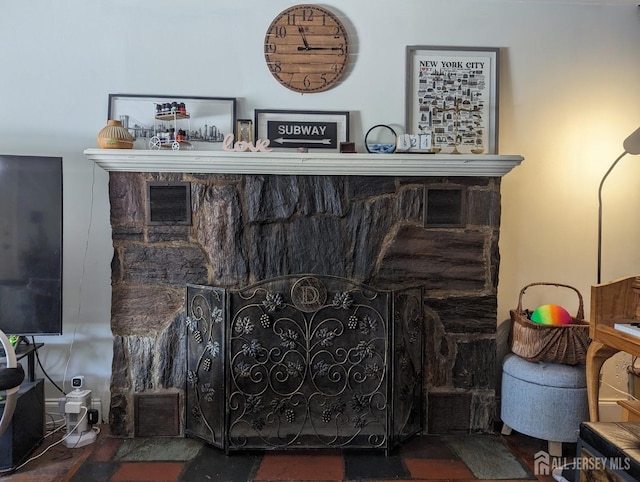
(452, 94)
(244, 130)
(190, 123)
(319, 131)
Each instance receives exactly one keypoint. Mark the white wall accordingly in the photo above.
(569, 95)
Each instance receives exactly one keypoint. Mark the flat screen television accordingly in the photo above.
(30, 245)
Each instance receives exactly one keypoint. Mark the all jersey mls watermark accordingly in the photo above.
(544, 464)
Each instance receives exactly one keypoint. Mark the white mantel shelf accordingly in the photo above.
(225, 162)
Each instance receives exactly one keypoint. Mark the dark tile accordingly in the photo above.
(438, 469)
(158, 449)
(374, 465)
(212, 464)
(487, 456)
(299, 466)
(146, 471)
(425, 458)
(105, 449)
(95, 472)
(525, 449)
(427, 447)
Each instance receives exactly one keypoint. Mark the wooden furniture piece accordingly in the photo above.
(616, 301)
(630, 410)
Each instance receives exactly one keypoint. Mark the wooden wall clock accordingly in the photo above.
(307, 48)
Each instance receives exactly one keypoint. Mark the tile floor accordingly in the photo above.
(469, 457)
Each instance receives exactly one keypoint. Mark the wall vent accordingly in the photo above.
(445, 207)
(157, 414)
(168, 203)
(449, 413)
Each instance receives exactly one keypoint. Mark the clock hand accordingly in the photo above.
(319, 48)
(304, 39)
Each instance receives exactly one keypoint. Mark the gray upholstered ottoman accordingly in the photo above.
(543, 400)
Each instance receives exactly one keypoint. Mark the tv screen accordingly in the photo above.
(30, 245)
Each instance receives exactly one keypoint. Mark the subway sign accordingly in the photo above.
(296, 134)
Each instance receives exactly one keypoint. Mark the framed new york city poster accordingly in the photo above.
(452, 94)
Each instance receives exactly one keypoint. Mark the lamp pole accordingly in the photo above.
(600, 213)
(631, 146)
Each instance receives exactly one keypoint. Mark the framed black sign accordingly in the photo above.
(312, 130)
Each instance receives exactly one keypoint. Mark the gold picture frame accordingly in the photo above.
(244, 130)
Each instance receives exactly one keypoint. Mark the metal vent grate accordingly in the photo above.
(157, 415)
(168, 203)
(444, 207)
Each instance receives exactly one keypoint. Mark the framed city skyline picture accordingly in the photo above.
(174, 121)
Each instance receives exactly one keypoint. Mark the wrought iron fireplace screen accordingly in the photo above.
(304, 362)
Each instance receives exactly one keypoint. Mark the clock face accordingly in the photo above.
(307, 48)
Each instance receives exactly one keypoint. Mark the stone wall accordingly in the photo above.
(247, 228)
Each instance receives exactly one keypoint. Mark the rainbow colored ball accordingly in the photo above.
(551, 315)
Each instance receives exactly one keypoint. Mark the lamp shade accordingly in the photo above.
(632, 143)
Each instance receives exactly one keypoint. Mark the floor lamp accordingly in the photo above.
(631, 145)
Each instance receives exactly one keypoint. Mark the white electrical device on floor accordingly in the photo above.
(76, 410)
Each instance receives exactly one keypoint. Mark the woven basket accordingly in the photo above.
(565, 344)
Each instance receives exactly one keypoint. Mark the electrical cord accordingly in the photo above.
(54, 421)
(33, 340)
(86, 410)
(81, 282)
(618, 390)
(633, 368)
(86, 249)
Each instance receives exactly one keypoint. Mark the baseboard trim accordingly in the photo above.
(610, 411)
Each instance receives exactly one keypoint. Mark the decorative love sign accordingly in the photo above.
(243, 146)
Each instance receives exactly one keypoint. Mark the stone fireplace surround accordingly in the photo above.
(261, 215)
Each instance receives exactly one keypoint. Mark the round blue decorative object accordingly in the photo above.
(381, 147)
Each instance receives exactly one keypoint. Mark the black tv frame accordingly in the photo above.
(32, 281)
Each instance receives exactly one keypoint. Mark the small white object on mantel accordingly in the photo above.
(241, 146)
(312, 163)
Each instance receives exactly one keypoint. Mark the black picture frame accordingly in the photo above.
(319, 131)
(208, 119)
